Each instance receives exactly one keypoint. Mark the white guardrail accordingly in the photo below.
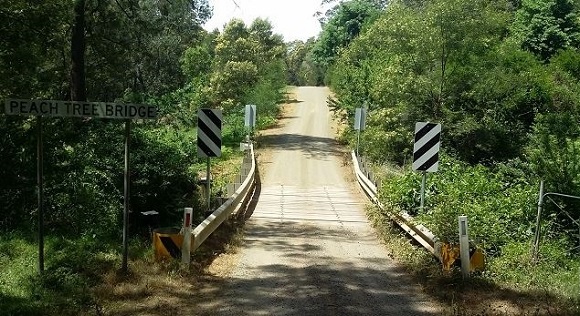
(235, 202)
(418, 232)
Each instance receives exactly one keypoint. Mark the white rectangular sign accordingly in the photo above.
(360, 119)
(79, 109)
(250, 118)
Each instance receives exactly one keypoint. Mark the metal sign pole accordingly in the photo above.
(423, 182)
(359, 125)
(357, 141)
(39, 179)
(126, 196)
(250, 119)
(208, 183)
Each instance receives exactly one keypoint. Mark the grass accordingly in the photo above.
(71, 267)
(83, 276)
(508, 287)
(82, 273)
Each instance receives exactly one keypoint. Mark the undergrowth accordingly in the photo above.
(509, 286)
(501, 210)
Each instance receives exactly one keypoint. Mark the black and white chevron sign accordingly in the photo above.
(209, 133)
(426, 149)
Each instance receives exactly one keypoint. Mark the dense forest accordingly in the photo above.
(126, 51)
(152, 52)
(503, 79)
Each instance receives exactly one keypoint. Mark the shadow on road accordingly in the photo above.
(309, 281)
(312, 146)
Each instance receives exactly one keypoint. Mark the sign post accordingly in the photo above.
(40, 193)
(209, 141)
(426, 152)
(126, 196)
(54, 108)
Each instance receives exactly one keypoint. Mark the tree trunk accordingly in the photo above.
(78, 89)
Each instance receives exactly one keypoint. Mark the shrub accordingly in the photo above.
(499, 203)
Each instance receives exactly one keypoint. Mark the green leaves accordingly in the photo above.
(545, 27)
(497, 203)
(346, 22)
(247, 60)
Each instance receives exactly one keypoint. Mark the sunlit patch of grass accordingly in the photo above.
(18, 259)
(555, 272)
(72, 267)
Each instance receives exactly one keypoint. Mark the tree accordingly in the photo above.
(445, 62)
(127, 49)
(546, 26)
(33, 49)
(323, 18)
(345, 23)
(135, 46)
(302, 70)
(246, 58)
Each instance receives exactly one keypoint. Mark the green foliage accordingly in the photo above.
(386, 138)
(302, 70)
(196, 61)
(450, 62)
(148, 52)
(233, 80)
(555, 272)
(502, 79)
(568, 61)
(162, 179)
(545, 27)
(248, 61)
(553, 153)
(137, 46)
(33, 39)
(346, 22)
(497, 202)
(72, 268)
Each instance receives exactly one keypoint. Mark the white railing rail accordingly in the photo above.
(418, 232)
(237, 200)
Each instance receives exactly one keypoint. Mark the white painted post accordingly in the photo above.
(464, 246)
(186, 245)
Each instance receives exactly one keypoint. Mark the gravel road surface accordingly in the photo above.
(308, 247)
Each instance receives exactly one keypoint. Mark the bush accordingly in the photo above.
(499, 203)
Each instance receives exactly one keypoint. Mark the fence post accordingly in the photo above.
(536, 246)
(464, 246)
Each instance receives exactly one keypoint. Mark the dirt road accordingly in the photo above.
(308, 249)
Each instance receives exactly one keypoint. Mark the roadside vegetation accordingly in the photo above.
(502, 77)
(151, 52)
